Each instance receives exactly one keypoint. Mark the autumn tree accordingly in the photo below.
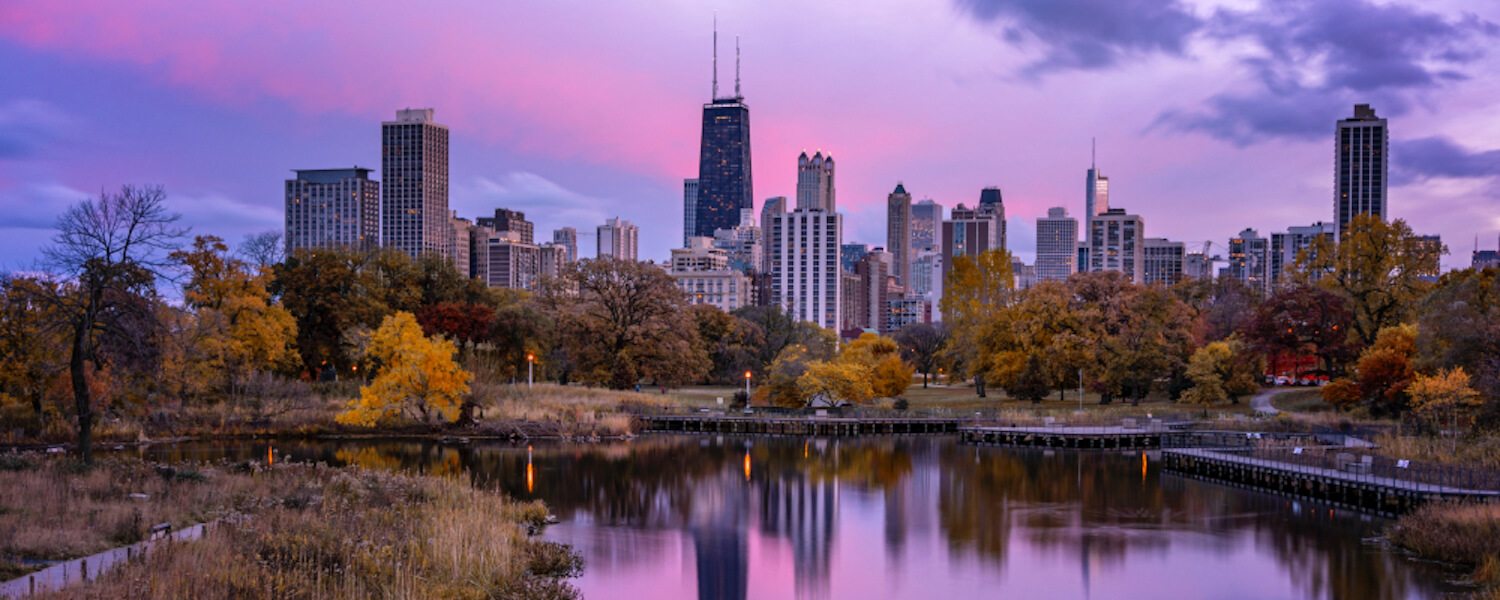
(417, 377)
(1304, 320)
(1380, 267)
(1139, 334)
(1032, 383)
(33, 349)
(241, 331)
(328, 291)
(974, 288)
(879, 359)
(1444, 397)
(1381, 375)
(1219, 307)
(109, 254)
(464, 323)
(1459, 327)
(780, 331)
(1223, 371)
(922, 346)
(779, 387)
(732, 343)
(623, 321)
(837, 380)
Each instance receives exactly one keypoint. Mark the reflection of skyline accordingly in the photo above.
(847, 510)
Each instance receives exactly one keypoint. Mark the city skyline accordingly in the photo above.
(224, 133)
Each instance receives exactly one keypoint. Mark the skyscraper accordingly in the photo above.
(898, 233)
(459, 243)
(1287, 246)
(990, 203)
(773, 206)
(328, 208)
(689, 209)
(815, 182)
(414, 164)
(804, 248)
(618, 238)
(723, 158)
(926, 218)
(1056, 245)
(567, 237)
(1360, 177)
(1096, 193)
(969, 232)
(1117, 242)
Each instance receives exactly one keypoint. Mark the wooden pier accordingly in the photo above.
(812, 425)
(1352, 486)
(1091, 438)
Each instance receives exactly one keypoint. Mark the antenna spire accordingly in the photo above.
(716, 57)
(737, 67)
(1093, 153)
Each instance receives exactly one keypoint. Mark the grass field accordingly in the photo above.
(1306, 400)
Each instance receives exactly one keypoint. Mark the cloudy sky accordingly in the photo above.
(1211, 116)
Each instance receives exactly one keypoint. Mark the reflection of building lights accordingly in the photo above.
(530, 473)
(270, 456)
(1143, 467)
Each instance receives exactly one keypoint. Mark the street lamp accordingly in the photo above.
(530, 360)
(747, 391)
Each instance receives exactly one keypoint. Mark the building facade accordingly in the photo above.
(689, 209)
(926, 223)
(1056, 245)
(1117, 242)
(567, 238)
(414, 197)
(874, 272)
(815, 182)
(1250, 260)
(804, 247)
(459, 244)
(1361, 146)
(991, 204)
(1163, 261)
(1287, 246)
(512, 221)
(332, 208)
(724, 179)
(702, 272)
(898, 233)
(968, 232)
(743, 243)
(1197, 265)
(618, 238)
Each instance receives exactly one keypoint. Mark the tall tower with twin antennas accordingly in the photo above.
(724, 181)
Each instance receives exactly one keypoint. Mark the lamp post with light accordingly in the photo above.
(530, 360)
(747, 390)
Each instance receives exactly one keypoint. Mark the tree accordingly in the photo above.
(417, 377)
(836, 380)
(240, 330)
(1032, 383)
(780, 387)
(467, 324)
(264, 250)
(732, 343)
(109, 252)
(32, 347)
(974, 287)
(328, 291)
(1139, 334)
(1381, 376)
(1380, 267)
(922, 346)
(780, 332)
(1304, 320)
(1219, 306)
(623, 321)
(1458, 325)
(1444, 396)
(1222, 371)
(879, 358)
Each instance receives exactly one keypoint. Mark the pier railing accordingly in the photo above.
(1363, 466)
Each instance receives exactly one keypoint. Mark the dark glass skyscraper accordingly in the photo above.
(723, 166)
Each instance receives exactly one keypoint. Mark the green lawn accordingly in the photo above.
(1307, 400)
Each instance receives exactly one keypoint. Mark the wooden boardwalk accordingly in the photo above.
(1352, 486)
(1097, 438)
(797, 425)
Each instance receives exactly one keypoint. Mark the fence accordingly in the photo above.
(1365, 467)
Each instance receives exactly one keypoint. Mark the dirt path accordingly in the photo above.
(1262, 402)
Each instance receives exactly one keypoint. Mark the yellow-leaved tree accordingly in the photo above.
(836, 380)
(1444, 396)
(880, 359)
(417, 377)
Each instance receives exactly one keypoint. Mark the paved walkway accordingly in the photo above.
(1333, 473)
(61, 575)
(1262, 402)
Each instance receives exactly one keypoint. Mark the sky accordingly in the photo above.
(1210, 116)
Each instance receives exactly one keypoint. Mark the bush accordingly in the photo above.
(741, 399)
(1454, 532)
(901, 404)
(16, 462)
(552, 559)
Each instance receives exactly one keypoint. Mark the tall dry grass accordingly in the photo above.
(1477, 450)
(301, 531)
(570, 410)
(1456, 532)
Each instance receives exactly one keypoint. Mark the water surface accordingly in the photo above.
(684, 516)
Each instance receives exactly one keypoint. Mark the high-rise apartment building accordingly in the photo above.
(1117, 242)
(724, 181)
(1096, 193)
(567, 238)
(332, 208)
(689, 209)
(1250, 260)
(1023, 275)
(898, 233)
(1287, 246)
(926, 222)
(969, 232)
(1056, 245)
(414, 165)
(873, 271)
(815, 182)
(1197, 265)
(743, 243)
(1163, 261)
(804, 247)
(506, 220)
(618, 238)
(506, 262)
(850, 253)
(459, 243)
(1361, 145)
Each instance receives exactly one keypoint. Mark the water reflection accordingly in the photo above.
(728, 517)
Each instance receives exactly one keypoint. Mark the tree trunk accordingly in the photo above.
(979, 385)
(82, 400)
(924, 380)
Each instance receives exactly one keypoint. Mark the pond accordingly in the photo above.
(684, 516)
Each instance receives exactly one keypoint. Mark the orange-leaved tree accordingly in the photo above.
(417, 377)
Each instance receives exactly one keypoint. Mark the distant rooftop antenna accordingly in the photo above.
(737, 67)
(1093, 153)
(716, 56)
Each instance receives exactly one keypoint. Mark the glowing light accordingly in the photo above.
(1143, 467)
(747, 465)
(270, 456)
